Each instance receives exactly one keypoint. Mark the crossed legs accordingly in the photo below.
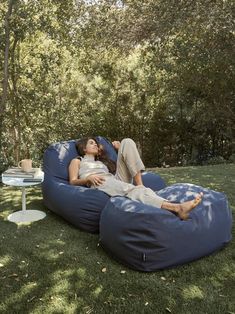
(129, 163)
(129, 167)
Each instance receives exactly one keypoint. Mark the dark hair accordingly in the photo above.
(102, 155)
(107, 161)
(81, 145)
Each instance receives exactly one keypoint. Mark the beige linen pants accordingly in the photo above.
(129, 164)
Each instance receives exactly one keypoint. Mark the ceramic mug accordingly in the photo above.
(25, 165)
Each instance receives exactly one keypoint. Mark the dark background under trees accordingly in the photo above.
(161, 72)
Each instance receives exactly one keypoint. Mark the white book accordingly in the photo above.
(18, 173)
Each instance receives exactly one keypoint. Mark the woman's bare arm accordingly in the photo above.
(88, 181)
(74, 167)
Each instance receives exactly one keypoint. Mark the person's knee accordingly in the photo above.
(127, 145)
(128, 141)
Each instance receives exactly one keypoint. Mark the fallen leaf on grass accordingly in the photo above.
(13, 275)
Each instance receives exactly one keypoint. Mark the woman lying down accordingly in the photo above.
(95, 170)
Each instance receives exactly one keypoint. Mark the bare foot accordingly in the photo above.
(186, 207)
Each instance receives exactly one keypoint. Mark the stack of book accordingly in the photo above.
(18, 173)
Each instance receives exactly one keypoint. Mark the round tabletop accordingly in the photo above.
(14, 181)
(25, 216)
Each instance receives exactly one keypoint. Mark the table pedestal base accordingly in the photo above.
(26, 216)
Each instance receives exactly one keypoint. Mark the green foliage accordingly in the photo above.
(216, 160)
(161, 72)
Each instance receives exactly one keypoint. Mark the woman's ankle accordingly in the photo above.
(138, 179)
(171, 206)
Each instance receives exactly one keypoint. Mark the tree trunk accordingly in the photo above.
(15, 118)
(5, 71)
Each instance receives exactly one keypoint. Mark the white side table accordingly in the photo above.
(24, 215)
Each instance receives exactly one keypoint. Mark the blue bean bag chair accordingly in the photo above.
(79, 205)
(147, 238)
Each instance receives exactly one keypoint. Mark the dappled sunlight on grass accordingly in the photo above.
(51, 255)
(50, 266)
(192, 292)
(5, 260)
(11, 200)
(215, 177)
(59, 282)
(81, 273)
(97, 291)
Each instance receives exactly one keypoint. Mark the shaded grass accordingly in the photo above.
(51, 267)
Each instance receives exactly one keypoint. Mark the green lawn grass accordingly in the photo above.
(51, 267)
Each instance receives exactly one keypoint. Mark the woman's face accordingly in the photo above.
(91, 147)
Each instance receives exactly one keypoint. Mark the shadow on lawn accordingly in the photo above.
(53, 274)
(39, 269)
(52, 267)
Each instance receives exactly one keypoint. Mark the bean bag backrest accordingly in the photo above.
(58, 156)
(79, 205)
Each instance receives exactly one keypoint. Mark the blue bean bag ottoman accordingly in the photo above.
(79, 205)
(147, 238)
